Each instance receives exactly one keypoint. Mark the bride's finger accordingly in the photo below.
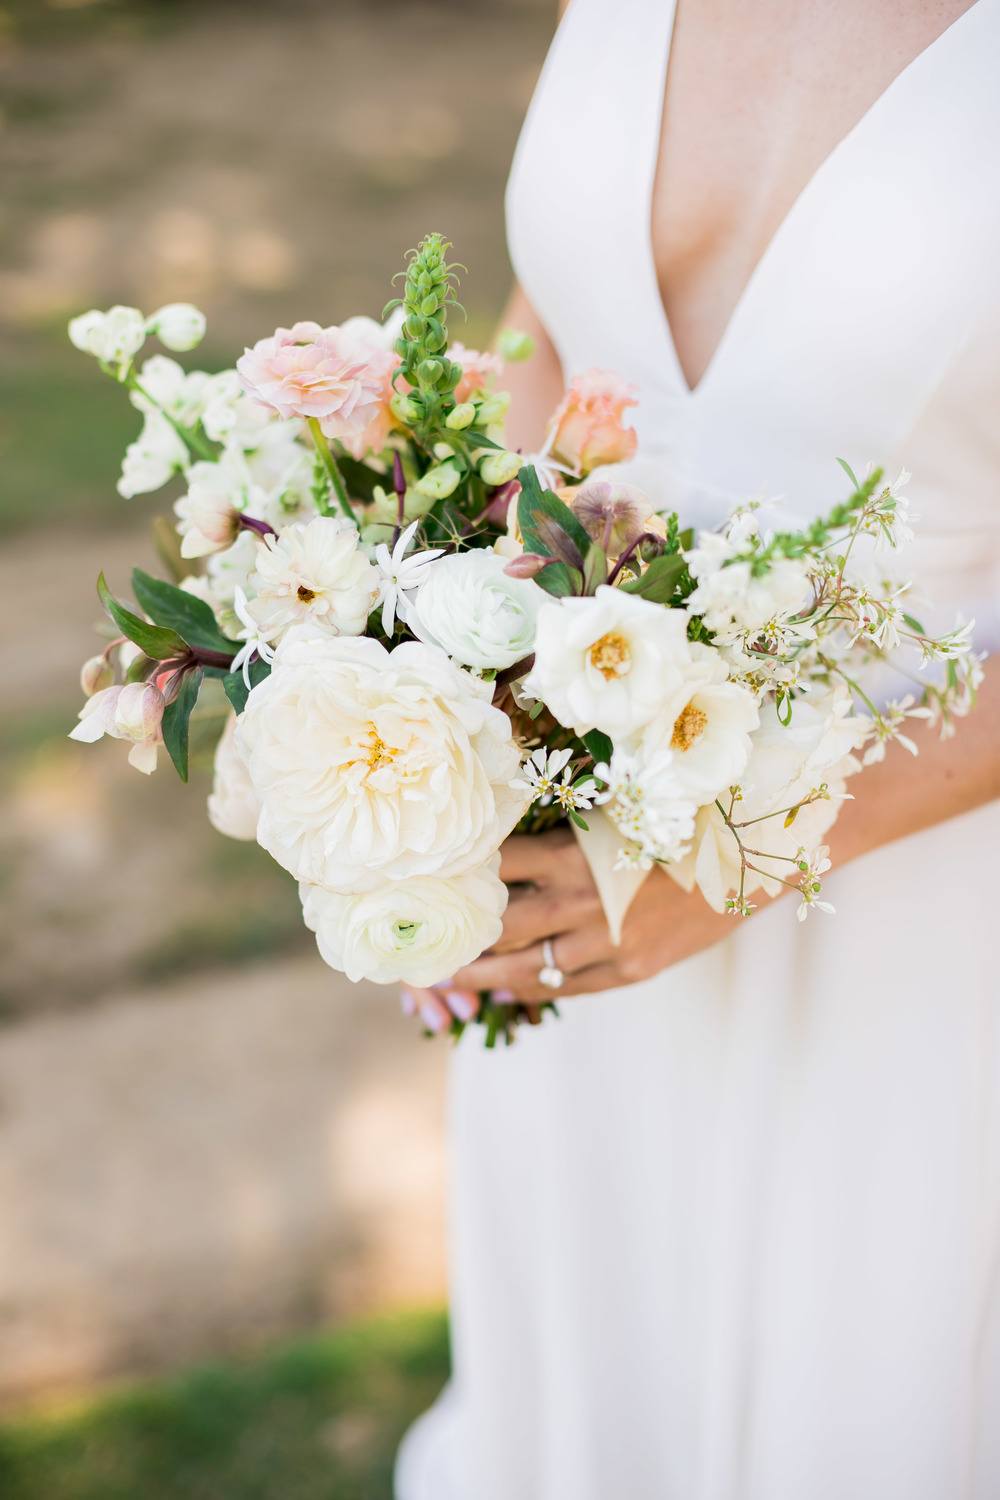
(533, 915)
(437, 1007)
(540, 859)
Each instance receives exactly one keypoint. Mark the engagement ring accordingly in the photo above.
(550, 973)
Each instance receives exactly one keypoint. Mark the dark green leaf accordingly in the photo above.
(177, 720)
(556, 541)
(235, 687)
(580, 823)
(535, 504)
(178, 610)
(599, 746)
(360, 479)
(659, 581)
(152, 639)
(559, 580)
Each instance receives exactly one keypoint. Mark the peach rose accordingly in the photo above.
(308, 371)
(587, 427)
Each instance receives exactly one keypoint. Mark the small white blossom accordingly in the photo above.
(648, 806)
(885, 727)
(811, 868)
(399, 576)
(178, 325)
(254, 643)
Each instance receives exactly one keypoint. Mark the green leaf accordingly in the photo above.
(178, 610)
(914, 624)
(539, 510)
(154, 640)
(595, 569)
(659, 581)
(598, 745)
(140, 669)
(559, 580)
(177, 720)
(580, 822)
(360, 479)
(235, 687)
(849, 472)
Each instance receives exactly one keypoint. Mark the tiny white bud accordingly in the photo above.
(443, 451)
(404, 409)
(439, 482)
(95, 675)
(178, 325)
(515, 345)
(494, 408)
(139, 711)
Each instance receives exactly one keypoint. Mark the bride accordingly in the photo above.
(731, 1229)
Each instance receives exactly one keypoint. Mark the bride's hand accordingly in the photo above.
(553, 897)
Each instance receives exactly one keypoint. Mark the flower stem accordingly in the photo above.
(331, 467)
(198, 446)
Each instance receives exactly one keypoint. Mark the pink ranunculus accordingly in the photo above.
(587, 428)
(477, 370)
(375, 434)
(308, 371)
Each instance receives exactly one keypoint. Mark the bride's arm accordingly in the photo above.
(899, 796)
(536, 386)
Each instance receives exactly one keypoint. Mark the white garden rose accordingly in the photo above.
(608, 662)
(233, 808)
(786, 763)
(314, 573)
(469, 607)
(373, 764)
(416, 931)
(707, 724)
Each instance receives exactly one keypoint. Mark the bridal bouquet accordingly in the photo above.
(427, 640)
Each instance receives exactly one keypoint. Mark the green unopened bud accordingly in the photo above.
(404, 408)
(443, 450)
(428, 371)
(429, 306)
(500, 467)
(494, 408)
(440, 482)
(515, 345)
(413, 325)
(461, 416)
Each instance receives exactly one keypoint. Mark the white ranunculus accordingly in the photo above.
(786, 763)
(178, 325)
(734, 601)
(416, 931)
(468, 606)
(707, 723)
(113, 337)
(157, 454)
(314, 573)
(233, 808)
(608, 662)
(373, 764)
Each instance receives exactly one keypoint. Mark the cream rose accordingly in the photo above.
(707, 724)
(375, 765)
(233, 808)
(416, 931)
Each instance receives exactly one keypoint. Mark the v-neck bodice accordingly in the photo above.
(868, 328)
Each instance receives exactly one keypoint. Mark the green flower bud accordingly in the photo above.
(494, 408)
(515, 345)
(404, 408)
(413, 327)
(429, 371)
(441, 481)
(443, 450)
(499, 467)
(461, 416)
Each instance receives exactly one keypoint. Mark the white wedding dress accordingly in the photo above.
(734, 1233)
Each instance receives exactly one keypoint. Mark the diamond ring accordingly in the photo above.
(550, 973)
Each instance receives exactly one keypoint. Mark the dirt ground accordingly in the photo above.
(205, 1137)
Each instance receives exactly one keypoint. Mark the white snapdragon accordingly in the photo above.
(469, 607)
(406, 768)
(165, 386)
(607, 662)
(416, 931)
(178, 325)
(114, 337)
(157, 454)
(313, 572)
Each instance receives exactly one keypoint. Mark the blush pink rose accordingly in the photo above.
(587, 428)
(478, 368)
(308, 371)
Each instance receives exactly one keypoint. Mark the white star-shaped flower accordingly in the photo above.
(254, 644)
(400, 576)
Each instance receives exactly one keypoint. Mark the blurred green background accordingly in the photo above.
(208, 1144)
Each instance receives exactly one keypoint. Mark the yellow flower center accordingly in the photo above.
(378, 752)
(611, 655)
(688, 727)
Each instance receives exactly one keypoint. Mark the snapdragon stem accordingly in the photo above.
(198, 446)
(332, 468)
